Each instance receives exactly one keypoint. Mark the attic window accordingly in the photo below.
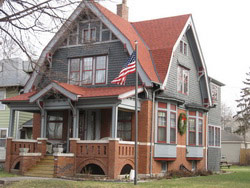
(89, 35)
(183, 48)
(182, 80)
(214, 91)
(73, 37)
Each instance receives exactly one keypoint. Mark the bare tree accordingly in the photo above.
(226, 116)
(24, 23)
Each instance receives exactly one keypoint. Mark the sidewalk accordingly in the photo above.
(8, 180)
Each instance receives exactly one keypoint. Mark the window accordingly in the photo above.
(88, 70)
(183, 80)
(214, 134)
(195, 125)
(3, 136)
(214, 91)
(191, 131)
(124, 125)
(166, 131)
(183, 48)
(162, 126)
(74, 75)
(55, 126)
(89, 35)
(2, 96)
(172, 127)
(164, 166)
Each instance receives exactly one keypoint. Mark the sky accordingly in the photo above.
(223, 28)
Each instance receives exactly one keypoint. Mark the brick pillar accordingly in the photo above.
(113, 154)
(73, 145)
(41, 146)
(7, 164)
(36, 131)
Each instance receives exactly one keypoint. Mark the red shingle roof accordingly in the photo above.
(96, 92)
(129, 32)
(161, 35)
(22, 97)
(82, 92)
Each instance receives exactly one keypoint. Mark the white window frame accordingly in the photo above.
(197, 118)
(182, 47)
(4, 96)
(183, 71)
(168, 111)
(214, 136)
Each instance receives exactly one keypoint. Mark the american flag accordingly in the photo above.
(128, 68)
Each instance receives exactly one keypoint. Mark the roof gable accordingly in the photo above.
(161, 35)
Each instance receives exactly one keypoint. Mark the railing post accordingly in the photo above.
(7, 165)
(41, 146)
(73, 145)
(113, 154)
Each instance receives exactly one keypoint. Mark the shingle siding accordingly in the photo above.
(213, 157)
(194, 95)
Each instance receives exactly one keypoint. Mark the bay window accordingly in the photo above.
(162, 126)
(195, 128)
(166, 130)
(88, 70)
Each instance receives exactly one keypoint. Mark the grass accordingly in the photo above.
(237, 179)
(6, 174)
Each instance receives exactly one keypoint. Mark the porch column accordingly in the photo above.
(75, 123)
(11, 123)
(114, 121)
(43, 123)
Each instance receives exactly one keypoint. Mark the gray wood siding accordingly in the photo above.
(213, 159)
(194, 95)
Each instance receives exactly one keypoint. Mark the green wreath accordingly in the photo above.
(182, 123)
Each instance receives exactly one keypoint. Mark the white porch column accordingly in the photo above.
(43, 123)
(11, 123)
(114, 121)
(75, 123)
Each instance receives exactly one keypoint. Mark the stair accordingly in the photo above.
(44, 168)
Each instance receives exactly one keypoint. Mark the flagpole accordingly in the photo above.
(136, 113)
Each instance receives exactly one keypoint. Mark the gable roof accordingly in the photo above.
(76, 92)
(129, 32)
(161, 35)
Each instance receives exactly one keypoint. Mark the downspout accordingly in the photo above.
(152, 133)
(206, 165)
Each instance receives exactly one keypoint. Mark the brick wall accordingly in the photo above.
(36, 130)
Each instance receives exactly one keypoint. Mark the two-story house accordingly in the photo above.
(89, 123)
(14, 74)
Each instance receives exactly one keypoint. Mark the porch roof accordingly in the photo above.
(79, 92)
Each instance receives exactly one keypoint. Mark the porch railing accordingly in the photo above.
(126, 149)
(17, 144)
(93, 148)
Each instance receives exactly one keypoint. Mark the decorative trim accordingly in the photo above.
(164, 159)
(63, 154)
(182, 123)
(92, 141)
(24, 140)
(30, 154)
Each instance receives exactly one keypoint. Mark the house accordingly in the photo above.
(13, 76)
(88, 124)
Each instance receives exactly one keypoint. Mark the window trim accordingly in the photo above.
(192, 117)
(214, 127)
(4, 97)
(197, 115)
(182, 70)
(93, 77)
(167, 108)
(165, 127)
(126, 121)
(183, 48)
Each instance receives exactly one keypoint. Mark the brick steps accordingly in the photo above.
(44, 168)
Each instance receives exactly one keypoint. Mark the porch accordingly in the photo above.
(112, 156)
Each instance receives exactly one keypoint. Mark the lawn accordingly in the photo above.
(238, 178)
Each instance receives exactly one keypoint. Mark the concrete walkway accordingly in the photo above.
(8, 180)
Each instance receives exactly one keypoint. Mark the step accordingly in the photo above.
(39, 175)
(42, 169)
(51, 172)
